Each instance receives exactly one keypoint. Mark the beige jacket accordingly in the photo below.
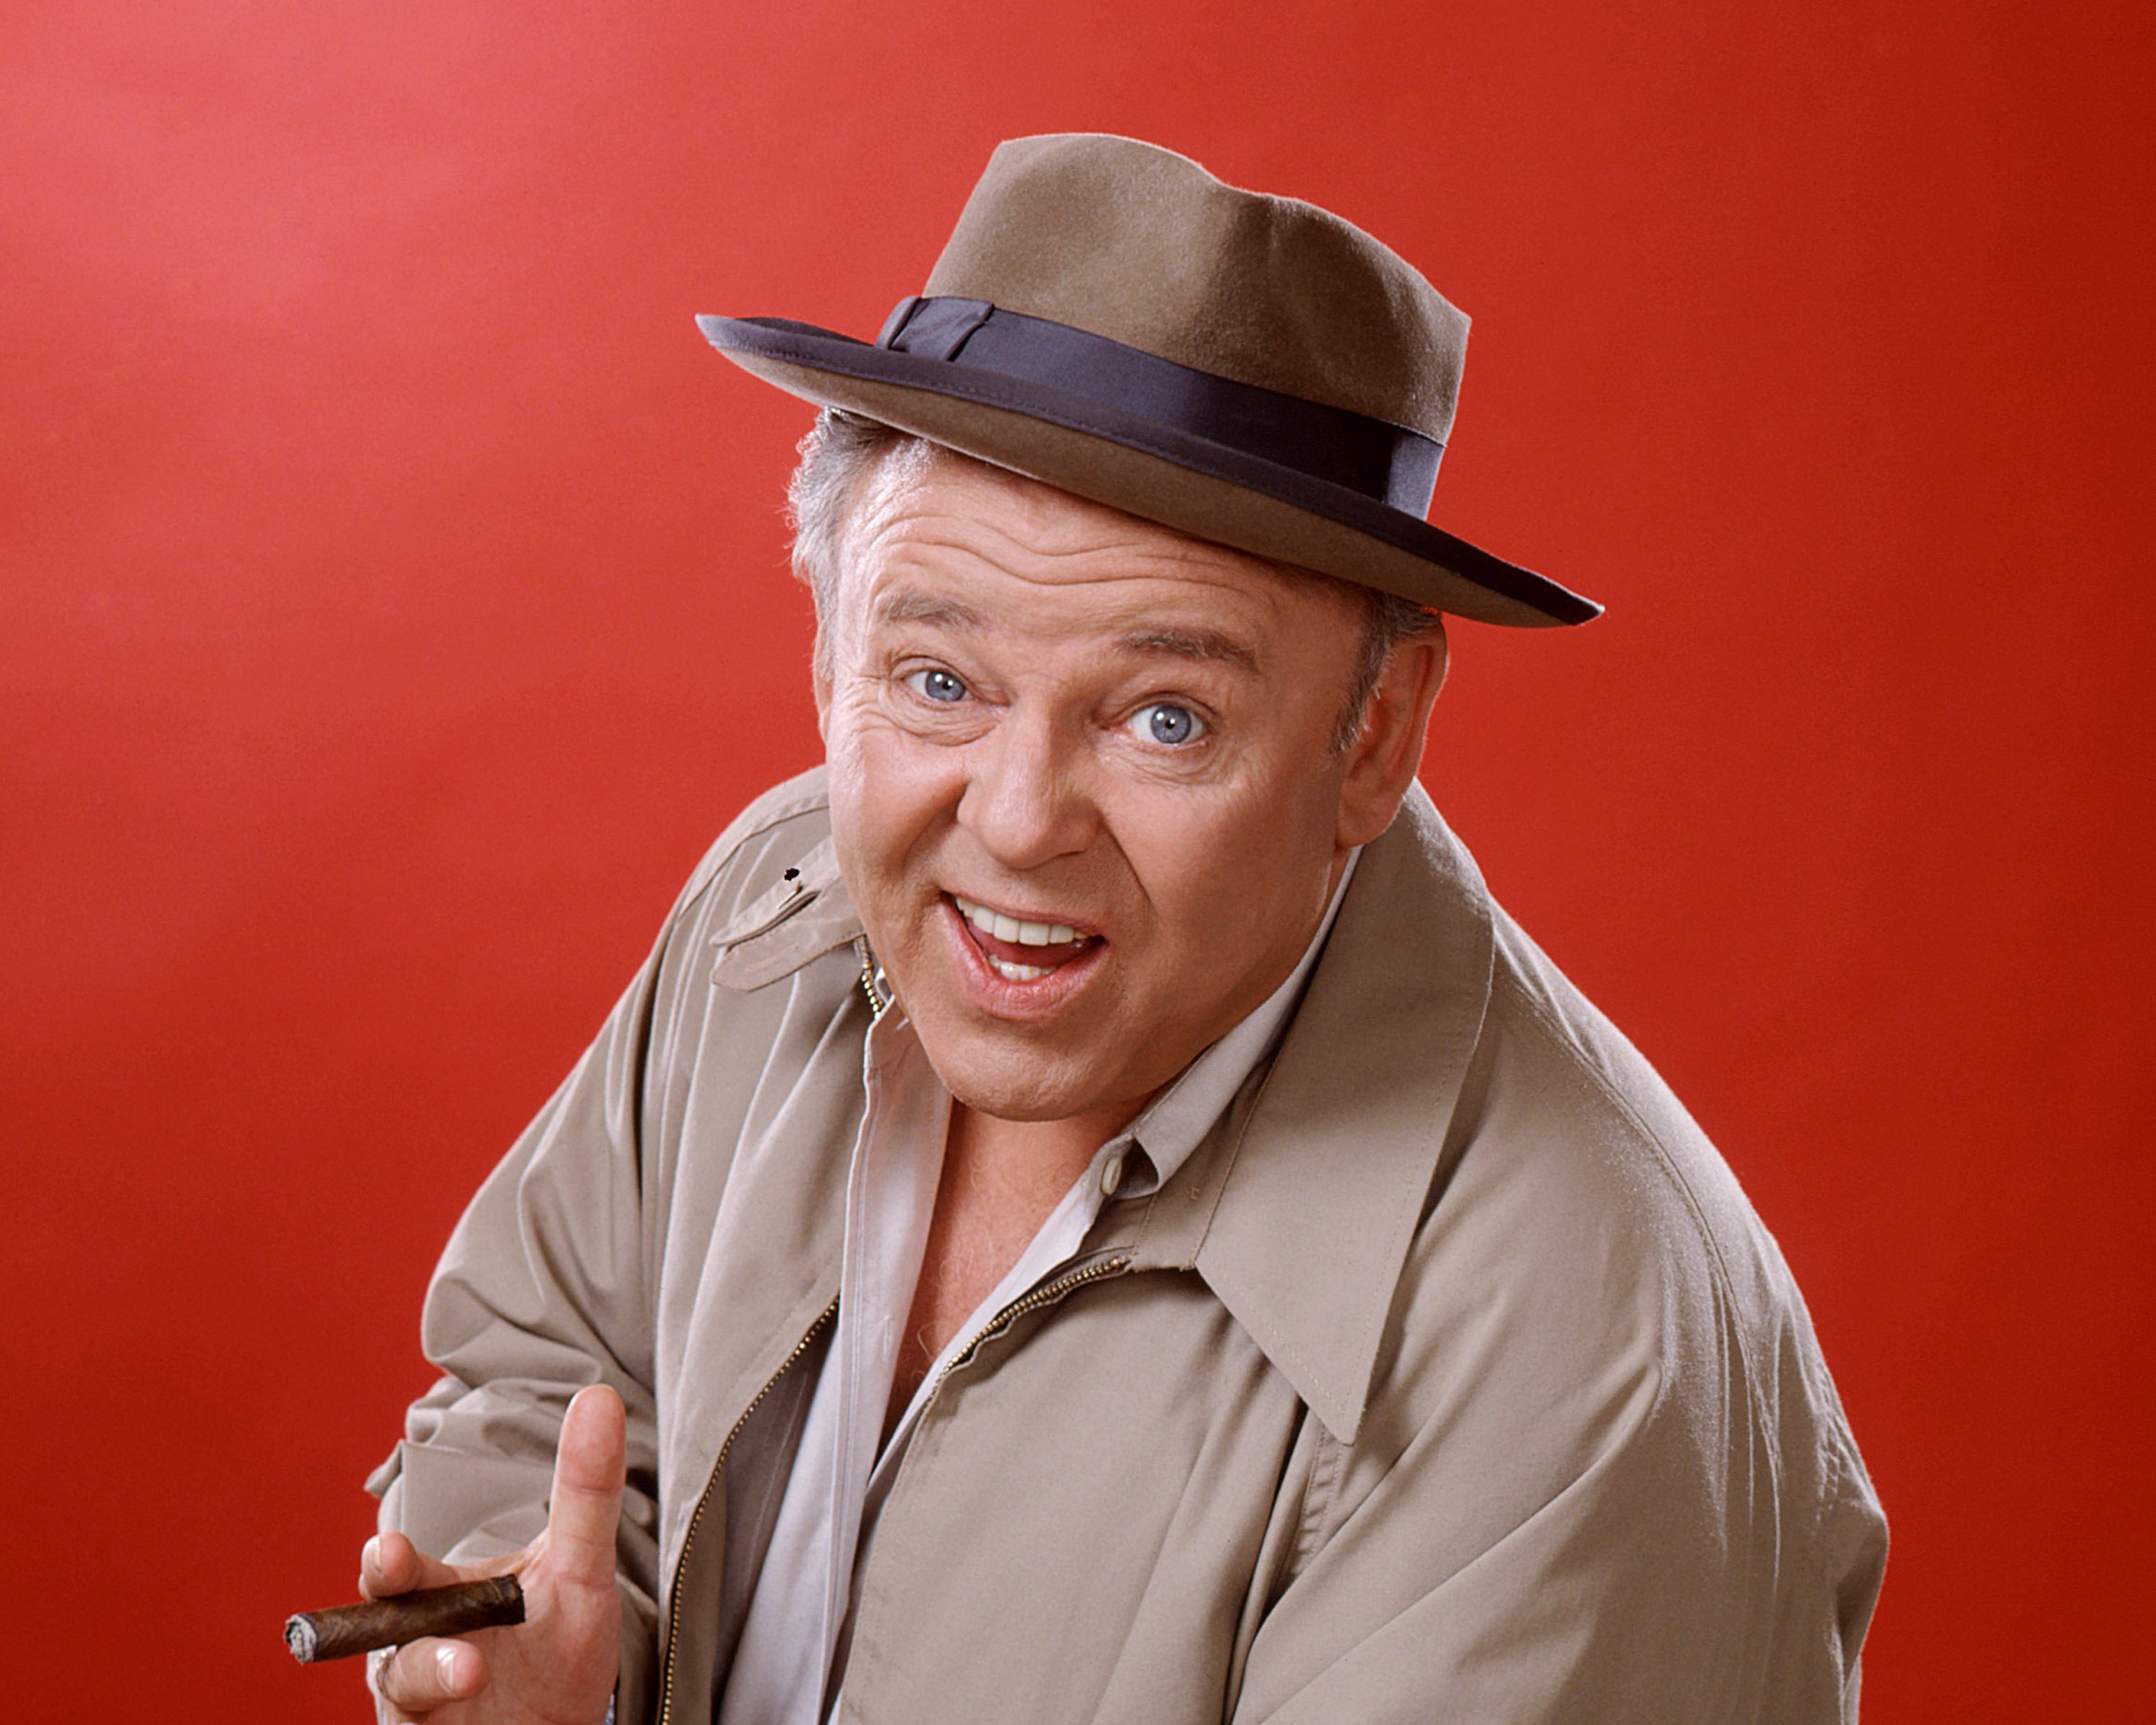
(1452, 1379)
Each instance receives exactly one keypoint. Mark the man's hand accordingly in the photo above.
(558, 1666)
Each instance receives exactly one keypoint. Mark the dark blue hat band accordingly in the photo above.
(1386, 462)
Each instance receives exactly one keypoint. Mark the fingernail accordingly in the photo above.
(445, 1662)
(370, 1553)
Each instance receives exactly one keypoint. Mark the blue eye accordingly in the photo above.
(1165, 722)
(935, 685)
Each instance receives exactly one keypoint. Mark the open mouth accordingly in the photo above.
(1018, 949)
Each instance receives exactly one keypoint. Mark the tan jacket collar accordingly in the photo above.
(1298, 1209)
(1298, 1212)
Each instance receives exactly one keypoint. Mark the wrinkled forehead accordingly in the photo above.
(937, 537)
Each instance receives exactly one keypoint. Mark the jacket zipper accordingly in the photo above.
(872, 979)
(1047, 1294)
(697, 1517)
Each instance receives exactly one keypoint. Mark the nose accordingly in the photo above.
(1026, 801)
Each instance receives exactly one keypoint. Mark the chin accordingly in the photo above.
(1026, 1088)
(1025, 1099)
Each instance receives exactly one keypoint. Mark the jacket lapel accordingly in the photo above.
(1298, 1214)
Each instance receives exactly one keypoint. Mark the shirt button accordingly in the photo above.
(1111, 1175)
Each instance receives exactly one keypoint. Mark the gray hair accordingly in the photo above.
(843, 449)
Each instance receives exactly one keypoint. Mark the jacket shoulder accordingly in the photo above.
(1605, 1207)
(774, 832)
(1598, 1376)
(1583, 1120)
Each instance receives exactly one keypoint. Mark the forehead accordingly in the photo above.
(937, 536)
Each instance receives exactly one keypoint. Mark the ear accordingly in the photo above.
(1381, 761)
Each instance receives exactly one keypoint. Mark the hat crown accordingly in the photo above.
(1140, 245)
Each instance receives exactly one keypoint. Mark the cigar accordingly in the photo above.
(338, 1634)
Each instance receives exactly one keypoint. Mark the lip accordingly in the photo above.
(998, 996)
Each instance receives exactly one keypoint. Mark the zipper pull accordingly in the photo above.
(874, 984)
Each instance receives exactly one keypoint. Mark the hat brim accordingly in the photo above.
(1094, 450)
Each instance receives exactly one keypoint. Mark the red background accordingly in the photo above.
(395, 607)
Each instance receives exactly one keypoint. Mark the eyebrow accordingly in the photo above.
(910, 605)
(1203, 645)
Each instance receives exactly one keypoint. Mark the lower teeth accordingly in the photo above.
(1017, 972)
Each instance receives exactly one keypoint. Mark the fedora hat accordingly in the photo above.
(1112, 319)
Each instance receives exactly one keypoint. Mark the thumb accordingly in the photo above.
(585, 1511)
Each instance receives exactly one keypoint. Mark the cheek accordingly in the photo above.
(1222, 868)
(888, 790)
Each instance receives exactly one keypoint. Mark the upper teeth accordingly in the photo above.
(1009, 928)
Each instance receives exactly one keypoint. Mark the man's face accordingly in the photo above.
(1082, 790)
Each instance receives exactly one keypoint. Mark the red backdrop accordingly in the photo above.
(394, 606)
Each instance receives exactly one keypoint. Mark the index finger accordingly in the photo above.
(583, 1515)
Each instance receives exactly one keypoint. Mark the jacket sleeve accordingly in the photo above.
(551, 1280)
(1638, 1591)
(1603, 1475)
(549, 1284)
(543, 1290)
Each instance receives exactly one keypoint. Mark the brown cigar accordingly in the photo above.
(316, 1635)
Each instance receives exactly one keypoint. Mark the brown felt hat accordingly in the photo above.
(1112, 319)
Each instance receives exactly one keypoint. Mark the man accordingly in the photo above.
(1090, 1211)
